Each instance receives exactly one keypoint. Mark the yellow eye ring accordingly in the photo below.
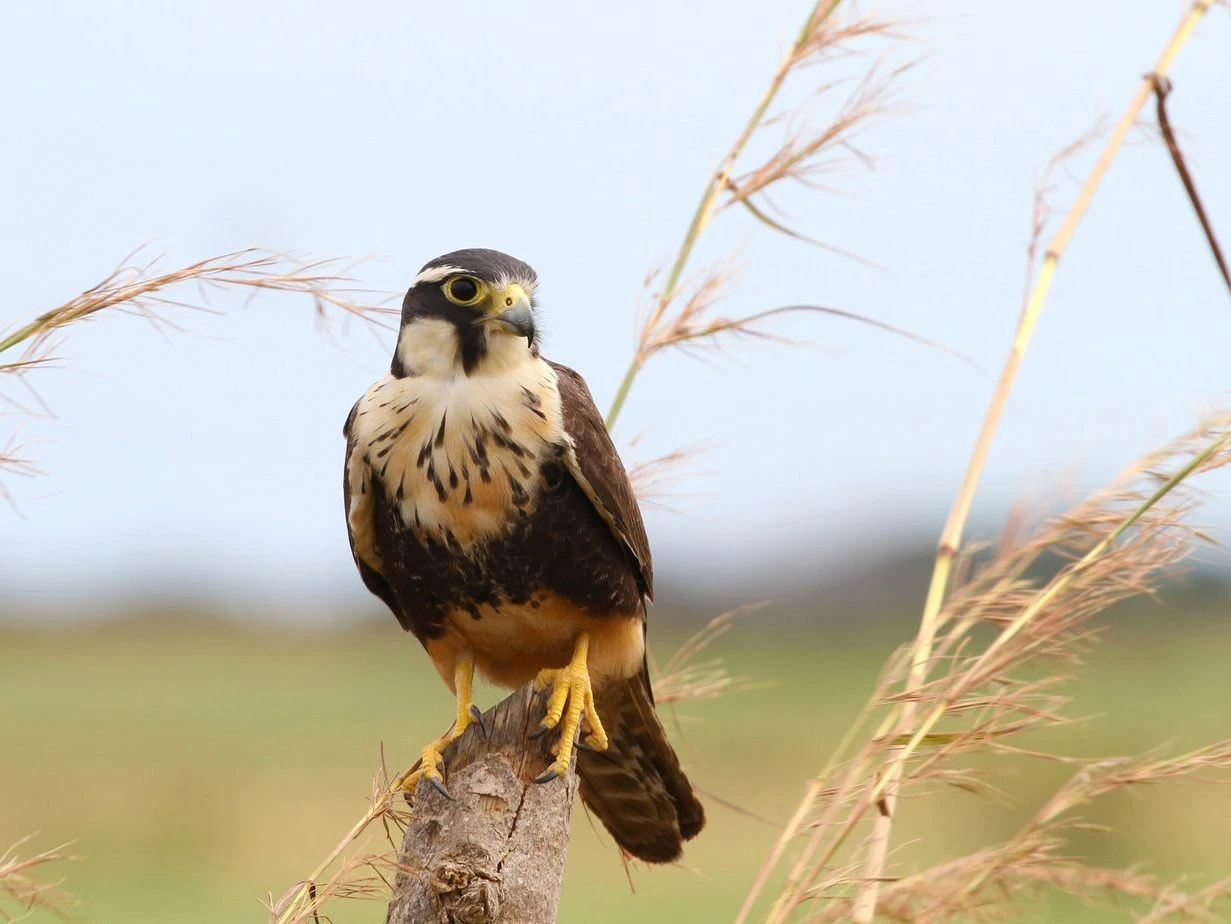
(463, 290)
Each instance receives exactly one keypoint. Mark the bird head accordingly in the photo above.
(465, 312)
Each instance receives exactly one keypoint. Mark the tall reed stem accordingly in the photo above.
(717, 183)
(951, 537)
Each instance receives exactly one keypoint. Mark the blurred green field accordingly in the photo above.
(199, 766)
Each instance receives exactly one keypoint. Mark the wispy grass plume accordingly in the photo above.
(951, 537)
(24, 888)
(681, 312)
(1006, 641)
(686, 677)
(147, 291)
(1113, 553)
(358, 867)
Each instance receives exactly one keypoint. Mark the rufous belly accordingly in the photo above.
(512, 643)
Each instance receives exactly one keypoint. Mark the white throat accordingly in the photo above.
(460, 455)
(429, 347)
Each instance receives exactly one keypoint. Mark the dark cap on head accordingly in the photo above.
(488, 265)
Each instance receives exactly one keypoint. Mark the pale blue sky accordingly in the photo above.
(578, 137)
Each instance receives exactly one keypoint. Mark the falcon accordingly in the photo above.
(488, 508)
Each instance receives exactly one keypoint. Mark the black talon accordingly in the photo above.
(583, 746)
(439, 786)
(478, 718)
(540, 731)
(547, 775)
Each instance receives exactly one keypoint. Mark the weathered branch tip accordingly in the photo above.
(495, 853)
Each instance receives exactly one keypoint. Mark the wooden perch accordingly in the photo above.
(495, 854)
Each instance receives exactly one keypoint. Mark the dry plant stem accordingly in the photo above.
(496, 851)
(796, 822)
(951, 538)
(21, 884)
(1162, 88)
(955, 526)
(302, 901)
(140, 289)
(879, 791)
(1059, 584)
(811, 864)
(718, 182)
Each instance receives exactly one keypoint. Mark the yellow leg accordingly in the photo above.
(467, 713)
(571, 700)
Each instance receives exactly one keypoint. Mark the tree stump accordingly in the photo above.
(495, 853)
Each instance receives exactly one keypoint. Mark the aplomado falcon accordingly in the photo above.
(488, 508)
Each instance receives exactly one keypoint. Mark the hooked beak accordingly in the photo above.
(512, 313)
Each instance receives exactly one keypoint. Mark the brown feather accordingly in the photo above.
(636, 787)
(359, 524)
(600, 472)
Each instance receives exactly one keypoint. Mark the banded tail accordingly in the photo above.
(636, 787)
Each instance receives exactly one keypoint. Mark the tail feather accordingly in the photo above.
(636, 787)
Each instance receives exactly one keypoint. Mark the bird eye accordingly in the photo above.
(462, 290)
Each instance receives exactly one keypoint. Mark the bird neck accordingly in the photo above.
(436, 348)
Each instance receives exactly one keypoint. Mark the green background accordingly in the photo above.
(199, 765)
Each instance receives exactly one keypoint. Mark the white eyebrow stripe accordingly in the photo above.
(435, 274)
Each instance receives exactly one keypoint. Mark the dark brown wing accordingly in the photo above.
(600, 473)
(357, 485)
(636, 787)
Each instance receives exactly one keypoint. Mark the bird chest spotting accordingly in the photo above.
(461, 456)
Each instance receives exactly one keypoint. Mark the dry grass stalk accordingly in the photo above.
(681, 314)
(141, 289)
(1162, 88)
(360, 871)
(14, 462)
(22, 886)
(685, 678)
(989, 688)
(982, 885)
(951, 537)
(694, 324)
(653, 479)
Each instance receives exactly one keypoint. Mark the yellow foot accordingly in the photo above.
(571, 700)
(429, 766)
(432, 757)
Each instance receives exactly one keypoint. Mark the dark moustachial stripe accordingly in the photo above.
(427, 300)
(472, 342)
